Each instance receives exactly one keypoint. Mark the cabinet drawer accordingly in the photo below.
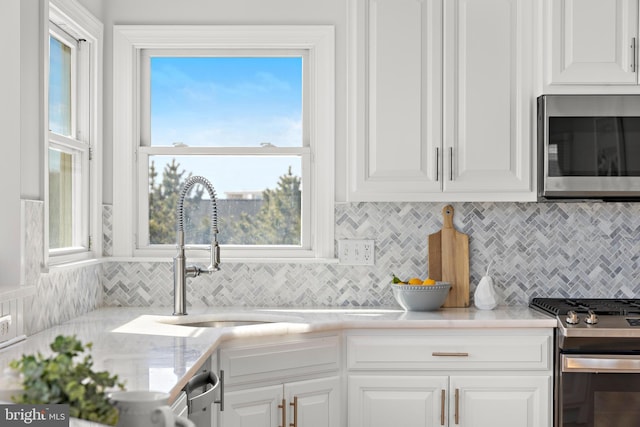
(279, 360)
(411, 352)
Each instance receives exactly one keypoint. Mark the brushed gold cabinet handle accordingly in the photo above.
(442, 407)
(283, 407)
(449, 354)
(456, 413)
(295, 412)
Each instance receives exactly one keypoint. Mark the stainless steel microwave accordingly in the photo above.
(589, 147)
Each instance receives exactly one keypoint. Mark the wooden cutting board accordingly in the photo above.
(449, 260)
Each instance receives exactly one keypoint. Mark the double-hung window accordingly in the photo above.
(248, 108)
(72, 123)
(238, 119)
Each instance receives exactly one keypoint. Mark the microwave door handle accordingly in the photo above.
(633, 54)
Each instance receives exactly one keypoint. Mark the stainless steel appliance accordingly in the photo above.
(588, 147)
(201, 398)
(597, 361)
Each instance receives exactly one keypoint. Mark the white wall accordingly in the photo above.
(115, 12)
(31, 170)
(10, 124)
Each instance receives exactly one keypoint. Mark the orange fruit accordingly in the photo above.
(415, 281)
(429, 282)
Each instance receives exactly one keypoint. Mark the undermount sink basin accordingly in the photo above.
(226, 320)
(223, 323)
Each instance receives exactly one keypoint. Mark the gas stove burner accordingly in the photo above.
(602, 307)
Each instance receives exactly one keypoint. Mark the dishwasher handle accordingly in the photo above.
(203, 401)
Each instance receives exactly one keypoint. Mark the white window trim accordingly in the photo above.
(146, 149)
(130, 40)
(75, 20)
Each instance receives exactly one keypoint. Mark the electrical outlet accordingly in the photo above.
(5, 324)
(356, 252)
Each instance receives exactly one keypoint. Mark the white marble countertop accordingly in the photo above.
(147, 350)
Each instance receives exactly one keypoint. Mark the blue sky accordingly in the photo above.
(59, 87)
(228, 102)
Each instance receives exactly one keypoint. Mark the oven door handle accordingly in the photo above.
(600, 363)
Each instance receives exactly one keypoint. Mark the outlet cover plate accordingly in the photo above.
(356, 252)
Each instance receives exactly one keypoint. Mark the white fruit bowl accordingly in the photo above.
(421, 297)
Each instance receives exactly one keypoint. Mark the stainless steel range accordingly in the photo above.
(597, 361)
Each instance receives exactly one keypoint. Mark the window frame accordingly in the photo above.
(146, 149)
(74, 26)
(317, 42)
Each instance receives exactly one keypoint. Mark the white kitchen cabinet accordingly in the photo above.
(425, 401)
(310, 403)
(450, 377)
(441, 100)
(256, 407)
(282, 382)
(513, 401)
(408, 401)
(591, 42)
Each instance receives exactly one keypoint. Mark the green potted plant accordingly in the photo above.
(67, 378)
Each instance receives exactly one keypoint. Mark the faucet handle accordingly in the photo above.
(215, 257)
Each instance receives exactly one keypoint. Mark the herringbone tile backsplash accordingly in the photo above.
(554, 249)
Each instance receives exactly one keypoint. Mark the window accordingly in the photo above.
(237, 119)
(72, 202)
(250, 109)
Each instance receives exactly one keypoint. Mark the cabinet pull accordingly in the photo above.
(221, 401)
(450, 163)
(633, 54)
(283, 409)
(442, 407)
(449, 354)
(295, 412)
(437, 164)
(456, 413)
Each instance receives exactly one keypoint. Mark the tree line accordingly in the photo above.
(277, 221)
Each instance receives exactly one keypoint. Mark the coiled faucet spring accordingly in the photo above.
(180, 270)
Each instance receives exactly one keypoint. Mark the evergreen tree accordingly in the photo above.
(279, 219)
(163, 203)
(276, 223)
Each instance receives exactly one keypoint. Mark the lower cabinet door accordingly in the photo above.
(407, 401)
(514, 401)
(314, 403)
(256, 407)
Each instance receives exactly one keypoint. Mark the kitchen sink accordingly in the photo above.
(223, 323)
(226, 320)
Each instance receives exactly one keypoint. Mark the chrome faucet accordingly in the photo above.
(180, 269)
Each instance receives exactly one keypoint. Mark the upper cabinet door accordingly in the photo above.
(395, 125)
(488, 98)
(441, 101)
(592, 41)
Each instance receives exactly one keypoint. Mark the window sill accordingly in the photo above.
(72, 264)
